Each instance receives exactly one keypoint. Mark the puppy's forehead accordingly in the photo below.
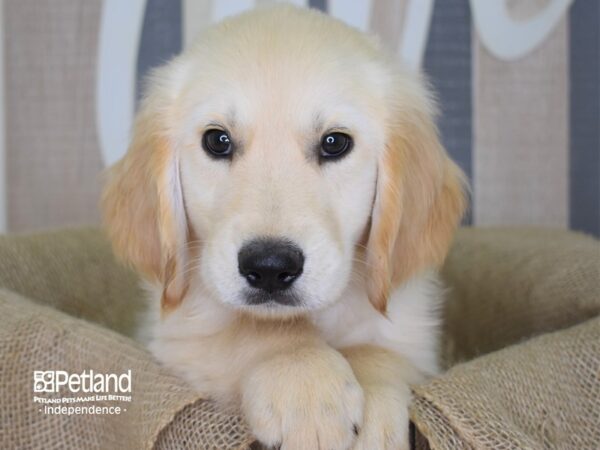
(293, 66)
(308, 104)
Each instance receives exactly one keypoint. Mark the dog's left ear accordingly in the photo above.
(420, 197)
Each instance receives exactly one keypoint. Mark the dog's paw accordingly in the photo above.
(385, 424)
(309, 400)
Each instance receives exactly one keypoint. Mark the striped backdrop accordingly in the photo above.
(518, 81)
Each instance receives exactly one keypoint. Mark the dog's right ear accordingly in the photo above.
(143, 207)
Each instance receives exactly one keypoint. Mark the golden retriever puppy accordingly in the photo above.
(287, 199)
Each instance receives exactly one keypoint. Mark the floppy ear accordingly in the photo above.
(143, 207)
(419, 199)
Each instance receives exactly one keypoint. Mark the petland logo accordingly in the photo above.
(87, 381)
(96, 392)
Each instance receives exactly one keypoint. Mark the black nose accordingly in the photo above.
(270, 264)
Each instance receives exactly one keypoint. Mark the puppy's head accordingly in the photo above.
(275, 159)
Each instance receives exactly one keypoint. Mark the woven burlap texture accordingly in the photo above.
(75, 271)
(508, 284)
(542, 394)
(505, 287)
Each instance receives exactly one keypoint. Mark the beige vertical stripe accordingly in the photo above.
(387, 21)
(196, 16)
(520, 155)
(523, 10)
(53, 159)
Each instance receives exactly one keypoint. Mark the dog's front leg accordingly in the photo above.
(385, 378)
(303, 396)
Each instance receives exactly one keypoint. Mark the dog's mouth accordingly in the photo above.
(272, 300)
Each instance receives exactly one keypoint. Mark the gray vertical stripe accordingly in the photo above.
(318, 4)
(584, 111)
(161, 37)
(448, 65)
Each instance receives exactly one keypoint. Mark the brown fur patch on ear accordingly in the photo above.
(419, 203)
(174, 288)
(385, 222)
(143, 209)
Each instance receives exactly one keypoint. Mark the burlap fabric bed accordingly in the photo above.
(521, 339)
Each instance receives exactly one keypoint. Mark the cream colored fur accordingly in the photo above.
(333, 373)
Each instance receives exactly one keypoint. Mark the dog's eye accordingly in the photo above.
(217, 143)
(335, 145)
